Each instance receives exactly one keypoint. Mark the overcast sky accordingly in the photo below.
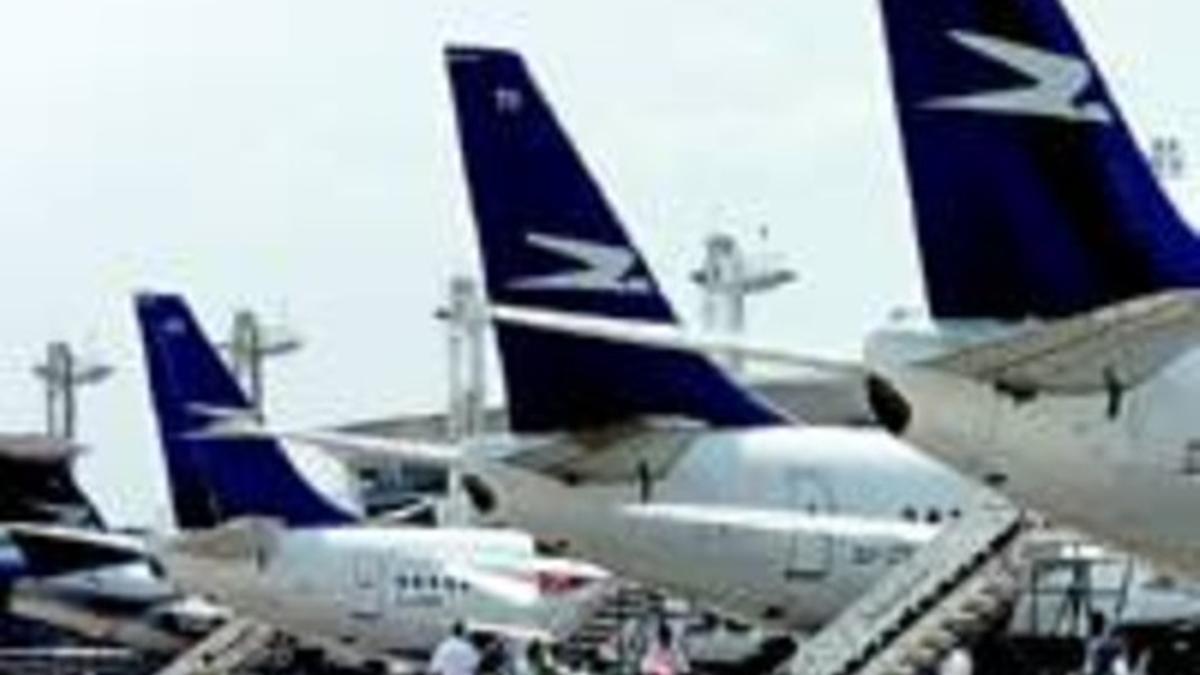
(299, 157)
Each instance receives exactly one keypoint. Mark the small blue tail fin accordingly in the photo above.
(1031, 197)
(551, 241)
(213, 480)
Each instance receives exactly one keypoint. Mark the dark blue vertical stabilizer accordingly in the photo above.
(213, 480)
(551, 241)
(1032, 198)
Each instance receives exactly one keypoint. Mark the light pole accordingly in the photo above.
(250, 344)
(466, 327)
(727, 278)
(63, 373)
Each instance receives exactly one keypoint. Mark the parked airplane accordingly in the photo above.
(1061, 355)
(41, 489)
(286, 553)
(636, 457)
(80, 584)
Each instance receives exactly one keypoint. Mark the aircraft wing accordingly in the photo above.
(1118, 346)
(571, 589)
(779, 521)
(514, 591)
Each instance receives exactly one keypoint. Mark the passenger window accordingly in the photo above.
(909, 514)
(933, 516)
(416, 582)
(433, 583)
(864, 555)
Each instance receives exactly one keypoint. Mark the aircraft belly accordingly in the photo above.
(1066, 459)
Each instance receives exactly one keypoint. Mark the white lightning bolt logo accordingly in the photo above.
(602, 268)
(1057, 83)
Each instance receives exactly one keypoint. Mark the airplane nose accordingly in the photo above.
(889, 406)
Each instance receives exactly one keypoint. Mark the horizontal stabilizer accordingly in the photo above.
(51, 550)
(1118, 346)
(667, 337)
(361, 445)
(628, 451)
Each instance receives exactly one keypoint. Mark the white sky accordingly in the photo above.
(298, 156)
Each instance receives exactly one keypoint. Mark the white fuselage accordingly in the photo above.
(792, 580)
(1131, 476)
(374, 590)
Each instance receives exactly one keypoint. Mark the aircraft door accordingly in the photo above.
(809, 556)
(367, 587)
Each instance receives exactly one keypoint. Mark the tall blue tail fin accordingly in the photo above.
(1032, 198)
(551, 241)
(213, 480)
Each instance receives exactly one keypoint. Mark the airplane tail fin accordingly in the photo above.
(550, 240)
(215, 479)
(1031, 196)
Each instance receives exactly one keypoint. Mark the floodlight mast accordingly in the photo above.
(727, 278)
(250, 344)
(63, 373)
(466, 330)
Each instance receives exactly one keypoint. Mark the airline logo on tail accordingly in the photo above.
(508, 100)
(602, 268)
(1058, 82)
(174, 326)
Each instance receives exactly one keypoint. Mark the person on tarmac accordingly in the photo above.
(539, 661)
(957, 662)
(1104, 653)
(662, 657)
(455, 655)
